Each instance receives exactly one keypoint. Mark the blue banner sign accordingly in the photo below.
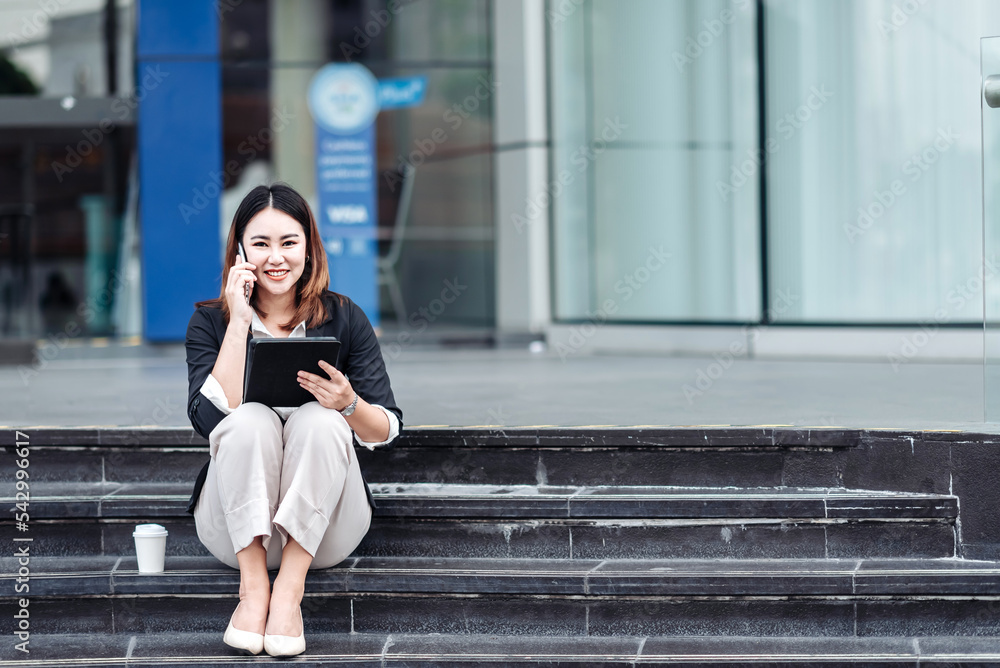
(396, 93)
(344, 100)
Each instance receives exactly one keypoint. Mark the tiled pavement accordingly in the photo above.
(147, 385)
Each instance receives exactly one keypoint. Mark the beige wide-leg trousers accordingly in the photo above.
(301, 479)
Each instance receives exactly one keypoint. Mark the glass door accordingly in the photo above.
(990, 56)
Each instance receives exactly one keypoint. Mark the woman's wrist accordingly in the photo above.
(239, 324)
(369, 423)
(349, 408)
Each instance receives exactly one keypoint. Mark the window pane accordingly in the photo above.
(653, 106)
(874, 211)
(450, 30)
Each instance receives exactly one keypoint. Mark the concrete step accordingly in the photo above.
(203, 576)
(119, 500)
(571, 465)
(526, 615)
(929, 462)
(359, 649)
(542, 522)
(747, 457)
(545, 436)
(558, 539)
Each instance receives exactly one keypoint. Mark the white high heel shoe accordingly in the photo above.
(247, 641)
(276, 645)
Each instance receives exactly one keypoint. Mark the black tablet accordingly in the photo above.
(271, 374)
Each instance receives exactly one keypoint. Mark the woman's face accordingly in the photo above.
(276, 243)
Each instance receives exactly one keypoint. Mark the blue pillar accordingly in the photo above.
(179, 88)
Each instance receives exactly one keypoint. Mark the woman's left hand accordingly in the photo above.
(334, 392)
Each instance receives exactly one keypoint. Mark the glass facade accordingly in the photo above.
(873, 207)
(272, 49)
(869, 150)
(66, 145)
(711, 161)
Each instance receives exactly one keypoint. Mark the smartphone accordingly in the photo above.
(243, 258)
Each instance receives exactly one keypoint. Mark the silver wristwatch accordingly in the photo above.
(350, 409)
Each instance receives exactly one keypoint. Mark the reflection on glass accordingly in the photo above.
(60, 233)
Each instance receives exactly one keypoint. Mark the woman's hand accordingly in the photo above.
(240, 275)
(334, 392)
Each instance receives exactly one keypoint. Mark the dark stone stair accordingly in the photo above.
(119, 500)
(542, 522)
(107, 576)
(624, 546)
(456, 650)
(717, 598)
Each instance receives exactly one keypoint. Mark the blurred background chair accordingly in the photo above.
(400, 181)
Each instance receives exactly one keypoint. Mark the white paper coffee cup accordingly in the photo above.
(150, 547)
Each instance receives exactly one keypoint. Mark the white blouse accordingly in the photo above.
(212, 388)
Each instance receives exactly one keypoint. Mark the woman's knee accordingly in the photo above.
(255, 413)
(315, 416)
(322, 432)
(246, 427)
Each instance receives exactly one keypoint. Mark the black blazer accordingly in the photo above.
(360, 360)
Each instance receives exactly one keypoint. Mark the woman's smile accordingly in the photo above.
(276, 274)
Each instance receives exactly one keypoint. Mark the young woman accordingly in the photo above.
(282, 488)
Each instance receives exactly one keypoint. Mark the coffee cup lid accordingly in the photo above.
(149, 530)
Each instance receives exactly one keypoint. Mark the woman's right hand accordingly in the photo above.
(240, 274)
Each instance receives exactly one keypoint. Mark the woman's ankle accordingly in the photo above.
(255, 589)
(288, 592)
